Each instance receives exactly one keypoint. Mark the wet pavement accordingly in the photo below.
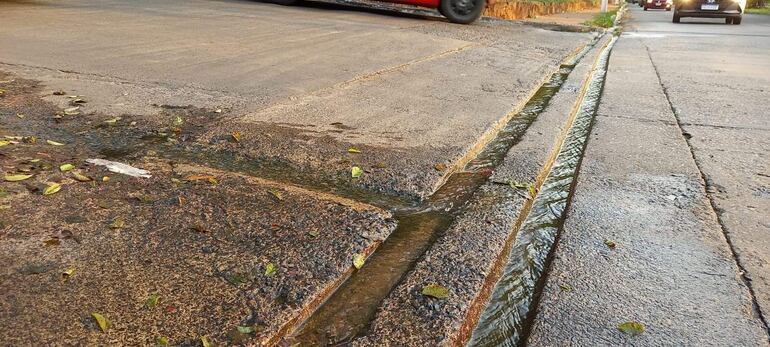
(250, 119)
(654, 235)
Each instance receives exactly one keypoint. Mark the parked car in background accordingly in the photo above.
(657, 4)
(457, 11)
(730, 10)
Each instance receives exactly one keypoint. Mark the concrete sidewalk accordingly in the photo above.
(641, 242)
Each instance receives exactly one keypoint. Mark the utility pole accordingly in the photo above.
(604, 6)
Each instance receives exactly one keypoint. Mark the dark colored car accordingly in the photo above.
(730, 10)
(657, 4)
(457, 11)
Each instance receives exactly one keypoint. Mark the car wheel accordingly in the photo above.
(668, 8)
(645, 8)
(737, 21)
(285, 2)
(462, 11)
(676, 18)
(728, 20)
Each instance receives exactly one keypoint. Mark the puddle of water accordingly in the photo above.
(347, 314)
(508, 315)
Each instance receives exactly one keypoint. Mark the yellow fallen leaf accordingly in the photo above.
(67, 273)
(631, 328)
(117, 223)
(354, 150)
(106, 179)
(436, 291)
(206, 341)
(80, 177)
(358, 260)
(356, 172)
(54, 143)
(162, 341)
(16, 178)
(101, 321)
(66, 167)
(270, 269)
(52, 188)
(236, 136)
(4, 143)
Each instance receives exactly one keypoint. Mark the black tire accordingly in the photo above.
(728, 20)
(737, 20)
(462, 11)
(676, 18)
(668, 9)
(645, 8)
(285, 2)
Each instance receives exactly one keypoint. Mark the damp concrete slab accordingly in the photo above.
(671, 268)
(301, 84)
(220, 249)
(242, 252)
(723, 108)
(468, 257)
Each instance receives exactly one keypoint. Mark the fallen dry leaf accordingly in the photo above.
(52, 188)
(436, 291)
(356, 172)
(54, 143)
(358, 260)
(103, 323)
(16, 178)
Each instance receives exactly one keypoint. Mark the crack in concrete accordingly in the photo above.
(717, 212)
(730, 127)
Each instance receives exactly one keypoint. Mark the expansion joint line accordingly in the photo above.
(712, 202)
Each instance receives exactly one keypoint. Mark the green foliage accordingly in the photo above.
(603, 20)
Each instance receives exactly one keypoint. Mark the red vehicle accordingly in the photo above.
(658, 4)
(457, 11)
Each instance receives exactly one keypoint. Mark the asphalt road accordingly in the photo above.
(675, 176)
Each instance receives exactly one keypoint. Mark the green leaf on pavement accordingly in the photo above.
(436, 291)
(518, 185)
(565, 287)
(67, 273)
(103, 323)
(16, 178)
(611, 244)
(66, 167)
(631, 328)
(313, 233)
(117, 223)
(245, 330)
(54, 143)
(356, 172)
(358, 260)
(276, 193)
(80, 177)
(354, 150)
(270, 269)
(532, 190)
(152, 300)
(52, 188)
(162, 341)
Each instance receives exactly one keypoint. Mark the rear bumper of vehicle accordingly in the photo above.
(727, 9)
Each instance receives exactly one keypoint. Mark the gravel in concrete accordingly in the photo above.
(199, 238)
(670, 268)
